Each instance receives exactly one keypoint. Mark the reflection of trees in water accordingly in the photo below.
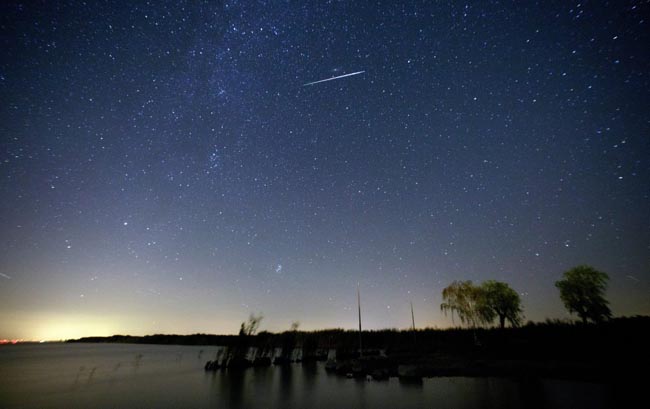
(262, 375)
(137, 361)
(309, 374)
(286, 380)
(232, 387)
(76, 379)
(415, 383)
(303, 377)
(495, 392)
(532, 393)
(242, 387)
(91, 374)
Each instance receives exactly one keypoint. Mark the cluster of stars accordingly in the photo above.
(157, 154)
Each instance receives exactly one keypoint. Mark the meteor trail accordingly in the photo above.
(334, 78)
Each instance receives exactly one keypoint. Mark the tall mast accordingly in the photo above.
(413, 321)
(359, 305)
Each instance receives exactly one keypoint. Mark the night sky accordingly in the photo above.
(165, 169)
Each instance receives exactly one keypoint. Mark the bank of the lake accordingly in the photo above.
(596, 352)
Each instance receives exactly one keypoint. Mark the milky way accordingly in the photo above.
(163, 168)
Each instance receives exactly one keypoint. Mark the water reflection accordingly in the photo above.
(532, 390)
(309, 374)
(286, 382)
(233, 386)
(413, 383)
(108, 376)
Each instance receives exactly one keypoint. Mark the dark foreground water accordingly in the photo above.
(159, 376)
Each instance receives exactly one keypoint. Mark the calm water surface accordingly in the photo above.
(160, 376)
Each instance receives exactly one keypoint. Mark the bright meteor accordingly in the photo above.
(334, 78)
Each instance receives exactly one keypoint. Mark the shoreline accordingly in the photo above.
(560, 350)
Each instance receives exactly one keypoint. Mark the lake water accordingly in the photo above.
(161, 376)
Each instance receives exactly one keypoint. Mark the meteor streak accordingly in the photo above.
(334, 78)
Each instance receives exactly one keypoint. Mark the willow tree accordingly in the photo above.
(462, 298)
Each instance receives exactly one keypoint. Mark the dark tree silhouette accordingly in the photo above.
(582, 292)
(250, 328)
(497, 299)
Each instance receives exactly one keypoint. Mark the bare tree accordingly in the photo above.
(251, 326)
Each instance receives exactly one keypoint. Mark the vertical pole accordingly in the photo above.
(359, 305)
(413, 321)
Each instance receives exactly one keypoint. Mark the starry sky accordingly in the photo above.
(165, 169)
